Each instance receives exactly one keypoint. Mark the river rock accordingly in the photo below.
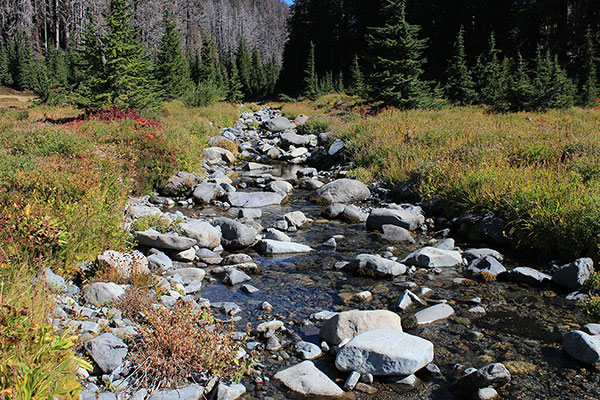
(336, 147)
(124, 264)
(137, 211)
(280, 186)
(391, 216)
(108, 351)
(431, 257)
(103, 292)
(235, 235)
(385, 352)
(308, 380)
(311, 184)
(581, 346)
(275, 234)
(352, 214)
(434, 313)
(204, 233)
(231, 392)
(188, 275)
(491, 375)
(575, 274)
(255, 199)
(180, 184)
(341, 191)
(160, 261)
(591, 329)
(169, 241)
(348, 324)
(306, 172)
(206, 192)
(407, 298)
(193, 392)
(214, 155)
(238, 258)
(307, 351)
(278, 124)
(376, 266)
(486, 264)
(397, 234)
(249, 213)
(52, 280)
(526, 275)
(290, 138)
(269, 246)
(473, 254)
(234, 276)
(445, 244)
(334, 210)
(492, 228)
(296, 219)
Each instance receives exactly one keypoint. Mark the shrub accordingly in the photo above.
(203, 94)
(314, 126)
(158, 222)
(591, 305)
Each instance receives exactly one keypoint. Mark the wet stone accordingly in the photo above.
(434, 313)
(307, 351)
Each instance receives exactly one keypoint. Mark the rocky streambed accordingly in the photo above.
(349, 292)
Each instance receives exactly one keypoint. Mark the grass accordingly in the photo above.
(64, 182)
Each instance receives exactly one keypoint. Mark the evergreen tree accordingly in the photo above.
(326, 84)
(258, 78)
(128, 71)
(171, 69)
(23, 66)
(311, 81)
(339, 83)
(460, 87)
(397, 62)
(57, 71)
(207, 69)
(588, 83)
(5, 75)
(193, 60)
(494, 80)
(272, 74)
(92, 89)
(234, 90)
(553, 88)
(244, 65)
(520, 89)
(357, 86)
(42, 84)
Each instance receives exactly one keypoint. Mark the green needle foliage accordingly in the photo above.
(234, 91)
(244, 65)
(521, 92)
(311, 81)
(460, 88)
(588, 83)
(493, 81)
(357, 86)
(171, 68)
(92, 90)
(258, 76)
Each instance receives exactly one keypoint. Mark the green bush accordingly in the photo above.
(202, 95)
(314, 126)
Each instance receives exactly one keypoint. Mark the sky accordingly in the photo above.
(289, 2)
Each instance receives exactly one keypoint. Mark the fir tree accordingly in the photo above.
(494, 79)
(193, 60)
(92, 89)
(207, 69)
(311, 81)
(41, 85)
(460, 87)
(588, 84)
(553, 88)
(57, 70)
(234, 90)
(5, 75)
(128, 71)
(397, 63)
(520, 89)
(339, 83)
(244, 65)
(23, 64)
(258, 77)
(272, 74)
(357, 86)
(171, 69)
(326, 84)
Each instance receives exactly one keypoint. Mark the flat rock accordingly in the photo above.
(434, 313)
(290, 138)
(473, 254)
(108, 351)
(392, 216)
(206, 192)
(308, 380)
(204, 233)
(486, 264)
(140, 211)
(526, 275)
(214, 155)
(238, 258)
(235, 235)
(397, 234)
(385, 352)
(581, 346)
(278, 124)
(279, 186)
(275, 234)
(169, 241)
(254, 199)
(269, 246)
(307, 351)
(231, 392)
(103, 292)
(234, 276)
(431, 257)
(188, 275)
(575, 274)
(193, 392)
(591, 329)
(348, 324)
(341, 191)
(376, 266)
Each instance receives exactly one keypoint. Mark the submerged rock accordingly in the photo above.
(376, 266)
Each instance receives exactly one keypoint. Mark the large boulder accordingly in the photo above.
(269, 246)
(108, 351)
(341, 191)
(103, 292)
(290, 138)
(214, 155)
(392, 216)
(397, 234)
(581, 346)
(204, 233)
(348, 324)
(180, 184)
(575, 274)
(235, 235)
(432, 257)
(385, 352)
(169, 241)
(376, 266)
(255, 199)
(308, 380)
(206, 192)
(124, 264)
(278, 124)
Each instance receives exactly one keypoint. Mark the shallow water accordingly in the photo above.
(522, 328)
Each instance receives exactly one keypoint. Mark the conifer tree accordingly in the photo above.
(244, 66)
(92, 88)
(57, 70)
(24, 64)
(128, 70)
(326, 84)
(272, 74)
(494, 80)
(5, 75)
(397, 62)
(460, 87)
(42, 84)
(258, 78)
(234, 90)
(171, 69)
(357, 86)
(520, 91)
(193, 60)
(553, 88)
(588, 83)
(207, 68)
(311, 81)
(339, 83)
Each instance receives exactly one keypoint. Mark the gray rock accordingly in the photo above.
(250, 213)
(336, 147)
(488, 393)
(53, 281)
(306, 172)
(231, 392)
(290, 138)
(235, 235)
(575, 274)
(526, 275)
(140, 211)
(348, 324)
(234, 276)
(280, 186)
(254, 199)
(323, 315)
(308, 380)
(492, 229)
(352, 213)
(397, 234)
(275, 234)
(307, 351)
(103, 292)
(311, 184)
(432, 257)
(170, 241)
(334, 210)
(473, 254)
(269, 246)
(205, 193)
(591, 329)
(434, 313)
(214, 155)
(160, 261)
(446, 244)
(180, 184)
(249, 288)
(204, 233)
(193, 392)
(581, 346)
(487, 264)
(234, 259)
(278, 124)
(376, 266)
(208, 256)
(385, 352)
(187, 275)
(491, 375)
(108, 351)
(296, 219)
(408, 298)
(252, 166)
(341, 191)
(352, 380)
(391, 216)
(124, 264)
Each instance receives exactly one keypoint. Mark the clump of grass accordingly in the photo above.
(158, 222)
(591, 305)
(314, 126)
(227, 144)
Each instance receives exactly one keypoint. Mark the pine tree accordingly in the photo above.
(42, 84)
(588, 83)
(92, 89)
(207, 68)
(553, 88)
(311, 81)
(339, 83)
(460, 87)
(326, 84)
(171, 69)
(564, 91)
(24, 64)
(357, 87)
(234, 91)
(128, 70)
(272, 73)
(57, 70)
(397, 62)
(5, 75)
(520, 89)
(258, 78)
(244, 65)
(494, 80)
